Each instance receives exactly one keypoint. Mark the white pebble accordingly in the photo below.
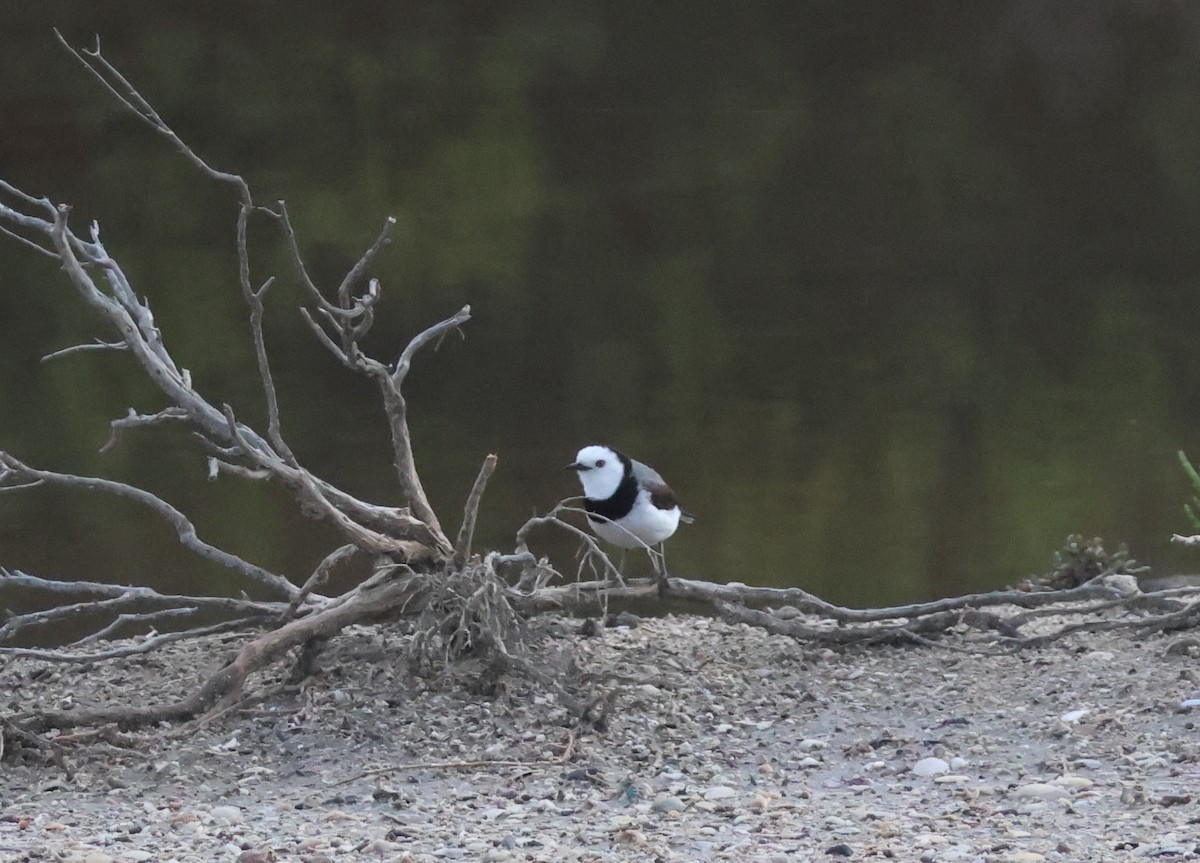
(1042, 791)
(226, 814)
(1075, 715)
(666, 803)
(719, 792)
(811, 743)
(930, 766)
(1074, 782)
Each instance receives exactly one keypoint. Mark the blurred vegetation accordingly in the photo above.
(896, 297)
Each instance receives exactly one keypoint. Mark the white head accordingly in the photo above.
(600, 470)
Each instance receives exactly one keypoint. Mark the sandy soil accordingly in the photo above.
(719, 742)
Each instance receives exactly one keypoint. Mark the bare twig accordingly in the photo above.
(25, 241)
(114, 597)
(318, 577)
(434, 333)
(125, 650)
(134, 419)
(124, 92)
(466, 533)
(360, 267)
(97, 345)
(14, 470)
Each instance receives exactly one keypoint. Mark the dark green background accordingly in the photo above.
(896, 294)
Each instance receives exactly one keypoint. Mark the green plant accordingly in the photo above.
(1192, 508)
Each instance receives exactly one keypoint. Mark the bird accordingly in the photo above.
(628, 503)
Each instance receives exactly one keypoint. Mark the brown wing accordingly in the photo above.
(661, 495)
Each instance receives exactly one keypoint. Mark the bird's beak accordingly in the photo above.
(577, 466)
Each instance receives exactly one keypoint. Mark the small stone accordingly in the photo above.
(1074, 782)
(1073, 716)
(667, 804)
(256, 855)
(381, 846)
(97, 857)
(809, 761)
(226, 814)
(1042, 791)
(1189, 704)
(840, 850)
(930, 766)
(760, 802)
(951, 779)
(810, 744)
(719, 792)
(1023, 857)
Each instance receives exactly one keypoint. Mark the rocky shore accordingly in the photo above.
(715, 742)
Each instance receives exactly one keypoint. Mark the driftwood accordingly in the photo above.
(459, 601)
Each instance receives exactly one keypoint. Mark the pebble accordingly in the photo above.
(1023, 857)
(1073, 716)
(666, 803)
(840, 850)
(1074, 782)
(1042, 791)
(226, 814)
(931, 766)
(719, 792)
(1189, 704)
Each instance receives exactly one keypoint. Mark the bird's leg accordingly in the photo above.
(659, 560)
(621, 567)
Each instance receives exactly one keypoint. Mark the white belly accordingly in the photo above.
(645, 524)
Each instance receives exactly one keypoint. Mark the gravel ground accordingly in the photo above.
(719, 742)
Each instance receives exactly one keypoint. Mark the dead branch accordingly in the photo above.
(407, 539)
(466, 533)
(14, 471)
(391, 592)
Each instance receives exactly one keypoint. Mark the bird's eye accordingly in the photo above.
(599, 462)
